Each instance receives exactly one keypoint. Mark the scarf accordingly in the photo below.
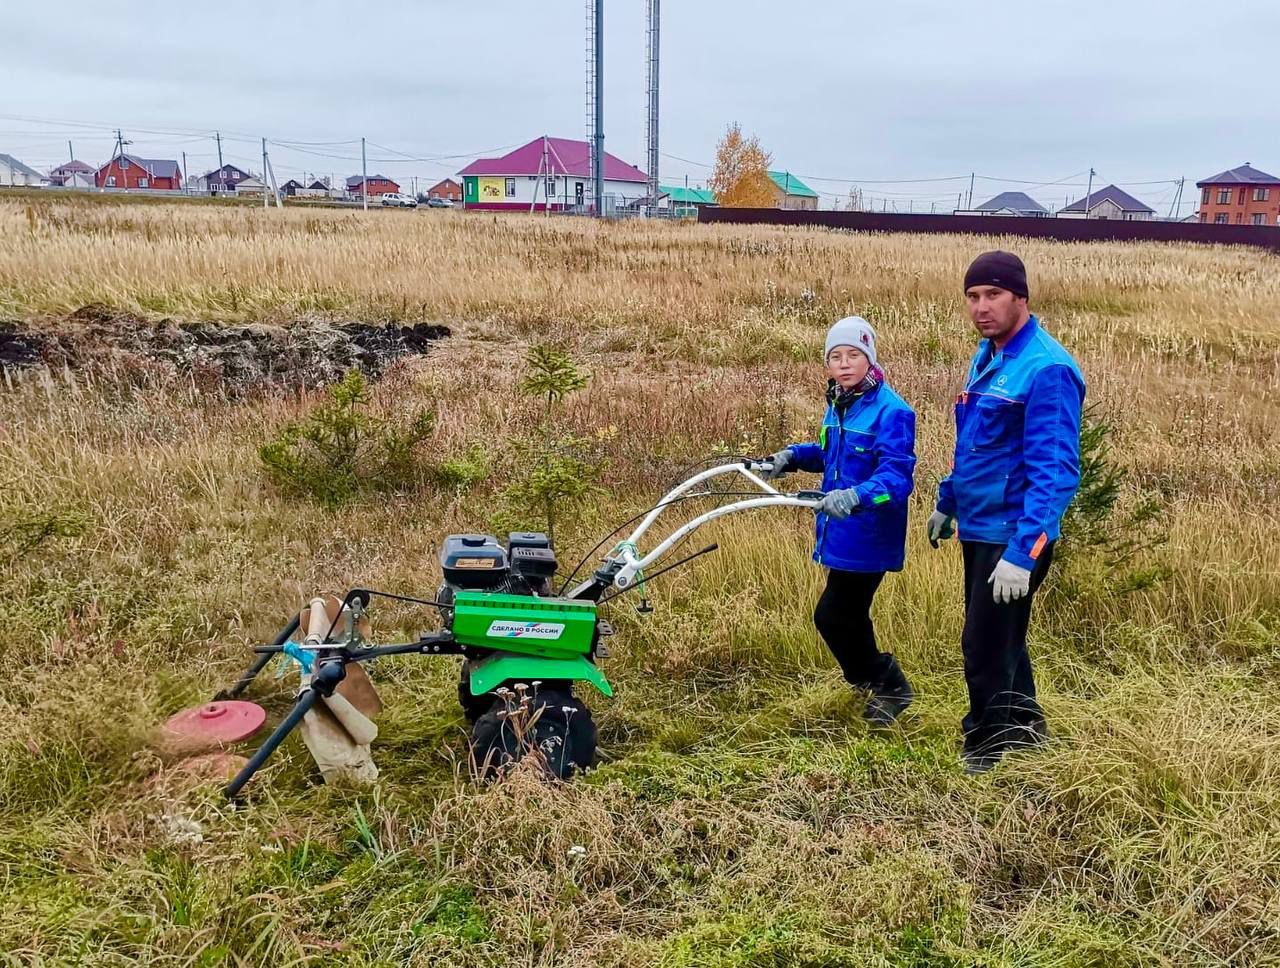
(841, 399)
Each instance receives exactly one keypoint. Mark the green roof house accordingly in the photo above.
(791, 192)
(685, 202)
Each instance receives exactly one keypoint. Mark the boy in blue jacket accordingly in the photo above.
(866, 456)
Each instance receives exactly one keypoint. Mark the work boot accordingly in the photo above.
(890, 695)
(976, 763)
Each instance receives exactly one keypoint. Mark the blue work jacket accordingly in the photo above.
(870, 447)
(1017, 459)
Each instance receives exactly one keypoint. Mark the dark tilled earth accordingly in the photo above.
(305, 353)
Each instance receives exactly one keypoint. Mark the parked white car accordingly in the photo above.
(396, 200)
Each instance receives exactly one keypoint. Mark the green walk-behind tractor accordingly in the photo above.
(514, 631)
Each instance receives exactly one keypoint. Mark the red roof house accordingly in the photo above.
(130, 171)
(554, 171)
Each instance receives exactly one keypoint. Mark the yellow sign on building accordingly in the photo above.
(491, 189)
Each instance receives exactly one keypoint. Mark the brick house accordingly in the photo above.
(130, 171)
(377, 185)
(448, 188)
(1240, 196)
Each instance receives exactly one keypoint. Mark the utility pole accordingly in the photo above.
(186, 186)
(268, 169)
(1175, 209)
(71, 154)
(364, 177)
(972, 175)
(1088, 195)
(217, 136)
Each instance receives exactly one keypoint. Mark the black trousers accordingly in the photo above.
(843, 619)
(1003, 711)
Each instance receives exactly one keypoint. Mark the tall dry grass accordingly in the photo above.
(741, 815)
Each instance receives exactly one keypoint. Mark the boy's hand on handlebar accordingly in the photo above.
(840, 504)
(781, 462)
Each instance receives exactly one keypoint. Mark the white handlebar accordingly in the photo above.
(771, 497)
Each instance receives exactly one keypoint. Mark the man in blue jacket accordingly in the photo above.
(1017, 467)
(866, 456)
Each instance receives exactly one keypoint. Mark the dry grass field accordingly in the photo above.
(741, 815)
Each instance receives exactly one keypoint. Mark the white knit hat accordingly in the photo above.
(852, 331)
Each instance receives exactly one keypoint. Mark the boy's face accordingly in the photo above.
(847, 365)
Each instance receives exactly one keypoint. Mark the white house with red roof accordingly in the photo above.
(546, 171)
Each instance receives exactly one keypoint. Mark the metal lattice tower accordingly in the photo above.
(595, 103)
(651, 115)
(591, 88)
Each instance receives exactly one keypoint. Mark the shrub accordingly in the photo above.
(341, 450)
(556, 470)
(1096, 520)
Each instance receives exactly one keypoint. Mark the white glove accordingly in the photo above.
(781, 461)
(840, 504)
(940, 527)
(1009, 582)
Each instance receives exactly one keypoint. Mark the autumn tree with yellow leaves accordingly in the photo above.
(741, 176)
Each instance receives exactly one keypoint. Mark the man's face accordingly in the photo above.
(995, 312)
(847, 366)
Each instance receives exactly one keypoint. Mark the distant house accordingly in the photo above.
(1240, 196)
(448, 188)
(1109, 203)
(222, 181)
(791, 192)
(1009, 204)
(685, 202)
(291, 187)
(74, 174)
(377, 185)
(130, 171)
(548, 172)
(14, 174)
(250, 185)
(320, 188)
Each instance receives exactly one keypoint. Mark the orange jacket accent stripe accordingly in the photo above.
(1039, 545)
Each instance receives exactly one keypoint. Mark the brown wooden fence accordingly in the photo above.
(1063, 229)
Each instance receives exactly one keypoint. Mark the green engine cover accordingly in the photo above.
(558, 628)
(533, 638)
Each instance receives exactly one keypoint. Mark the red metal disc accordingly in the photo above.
(217, 722)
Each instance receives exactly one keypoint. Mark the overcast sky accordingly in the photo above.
(836, 90)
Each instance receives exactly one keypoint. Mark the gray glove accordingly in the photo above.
(1009, 582)
(781, 464)
(840, 504)
(940, 527)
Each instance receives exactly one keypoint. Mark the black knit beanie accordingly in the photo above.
(1004, 270)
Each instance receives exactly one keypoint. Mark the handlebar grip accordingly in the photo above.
(811, 495)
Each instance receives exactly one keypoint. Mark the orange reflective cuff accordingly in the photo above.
(1039, 545)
